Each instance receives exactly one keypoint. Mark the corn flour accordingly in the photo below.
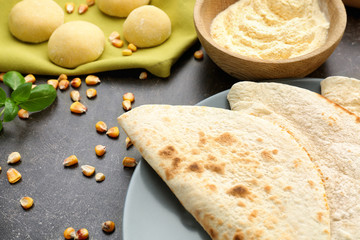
(272, 29)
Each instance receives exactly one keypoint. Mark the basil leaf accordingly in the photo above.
(41, 97)
(13, 79)
(11, 110)
(22, 93)
(2, 97)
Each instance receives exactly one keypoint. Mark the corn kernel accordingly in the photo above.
(117, 43)
(114, 35)
(75, 83)
(62, 76)
(23, 114)
(132, 47)
(2, 76)
(92, 80)
(0, 169)
(63, 84)
(33, 86)
(126, 104)
(91, 93)
(113, 132)
(143, 75)
(78, 107)
(108, 226)
(100, 150)
(14, 157)
(126, 52)
(82, 8)
(70, 161)
(128, 142)
(26, 202)
(90, 2)
(129, 96)
(69, 233)
(53, 82)
(87, 170)
(199, 54)
(99, 177)
(75, 96)
(129, 162)
(101, 126)
(13, 175)
(82, 234)
(69, 7)
(30, 78)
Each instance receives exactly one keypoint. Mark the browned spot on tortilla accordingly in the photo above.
(169, 174)
(168, 152)
(166, 119)
(275, 151)
(148, 143)
(195, 151)
(241, 204)
(226, 139)
(213, 233)
(243, 154)
(212, 187)
(311, 183)
(211, 157)
(259, 140)
(267, 156)
(140, 149)
(319, 216)
(202, 139)
(239, 235)
(175, 162)
(275, 199)
(218, 168)
(297, 162)
(195, 167)
(267, 189)
(288, 188)
(238, 191)
(253, 215)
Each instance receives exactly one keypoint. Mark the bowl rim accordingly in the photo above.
(339, 27)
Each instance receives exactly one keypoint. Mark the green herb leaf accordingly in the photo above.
(22, 93)
(11, 110)
(2, 97)
(13, 79)
(41, 97)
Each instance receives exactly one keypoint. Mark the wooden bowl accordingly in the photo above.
(249, 68)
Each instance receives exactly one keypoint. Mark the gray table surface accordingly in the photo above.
(64, 197)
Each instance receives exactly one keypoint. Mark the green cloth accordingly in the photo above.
(32, 58)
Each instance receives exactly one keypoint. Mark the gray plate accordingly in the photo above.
(152, 212)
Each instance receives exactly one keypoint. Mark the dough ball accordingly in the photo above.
(119, 8)
(75, 43)
(35, 20)
(147, 26)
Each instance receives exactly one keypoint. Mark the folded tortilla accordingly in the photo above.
(240, 176)
(330, 134)
(343, 91)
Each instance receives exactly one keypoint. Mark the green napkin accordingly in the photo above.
(32, 58)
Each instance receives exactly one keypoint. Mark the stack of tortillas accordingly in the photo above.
(328, 132)
(283, 165)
